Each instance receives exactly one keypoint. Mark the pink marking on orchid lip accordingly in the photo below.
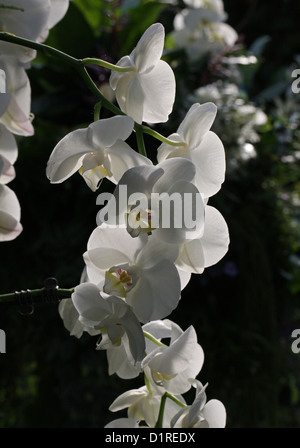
(129, 283)
(119, 271)
(149, 217)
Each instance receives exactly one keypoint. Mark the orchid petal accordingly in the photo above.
(122, 158)
(117, 245)
(58, 10)
(10, 212)
(7, 171)
(66, 157)
(149, 48)
(214, 413)
(122, 423)
(209, 159)
(176, 357)
(128, 399)
(147, 92)
(197, 123)
(130, 96)
(191, 256)
(89, 303)
(16, 117)
(107, 131)
(158, 87)
(115, 77)
(157, 292)
(215, 239)
(25, 20)
(119, 361)
(8, 145)
(184, 220)
(70, 317)
(174, 169)
(156, 250)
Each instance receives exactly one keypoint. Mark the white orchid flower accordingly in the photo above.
(146, 92)
(201, 414)
(10, 213)
(70, 315)
(214, 5)
(8, 155)
(143, 404)
(121, 362)
(15, 108)
(161, 199)
(171, 367)
(201, 31)
(97, 151)
(72, 323)
(140, 271)
(202, 146)
(200, 253)
(112, 316)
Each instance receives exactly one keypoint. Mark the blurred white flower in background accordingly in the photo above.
(202, 31)
(238, 120)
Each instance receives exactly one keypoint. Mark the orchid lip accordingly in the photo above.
(118, 281)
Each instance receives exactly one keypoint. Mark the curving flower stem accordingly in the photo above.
(35, 295)
(140, 141)
(96, 92)
(159, 423)
(160, 137)
(50, 293)
(93, 61)
(173, 398)
(79, 65)
(97, 110)
(153, 339)
(45, 49)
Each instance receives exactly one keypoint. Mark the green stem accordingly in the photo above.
(79, 65)
(160, 137)
(92, 61)
(96, 92)
(171, 397)
(97, 110)
(147, 384)
(36, 295)
(45, 49)
(159, 423)
(153, 339)
(140, 141)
